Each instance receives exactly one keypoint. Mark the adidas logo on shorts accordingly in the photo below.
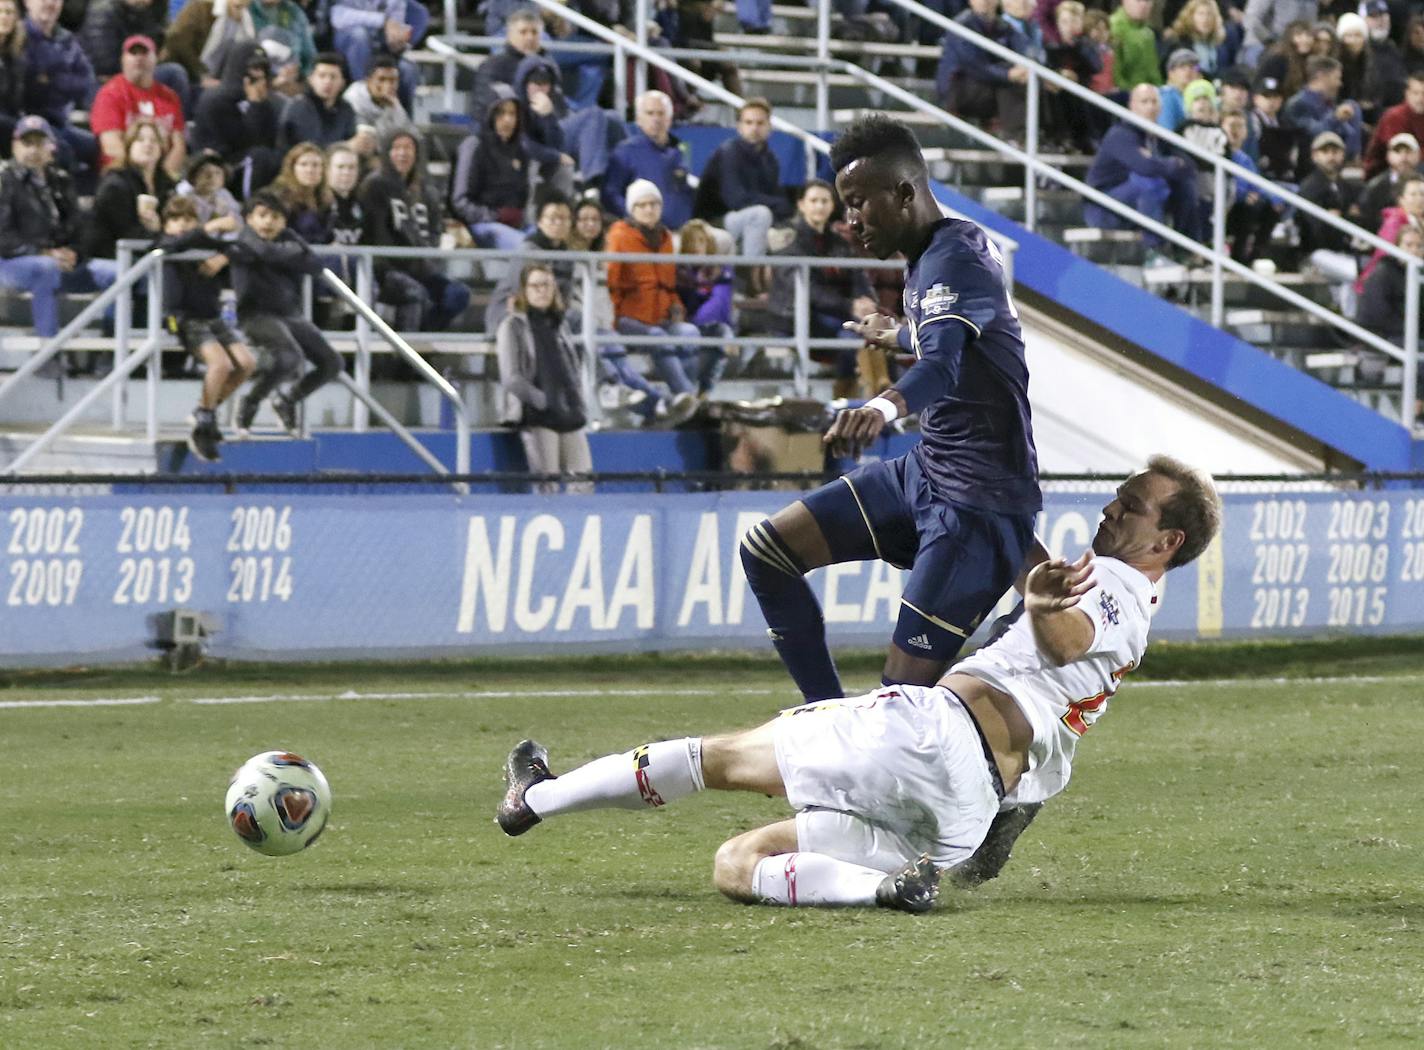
(921, 641)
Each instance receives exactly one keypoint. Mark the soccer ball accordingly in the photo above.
(278, 803)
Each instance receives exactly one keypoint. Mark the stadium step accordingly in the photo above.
(1105, 247)
(1054, 206)
(1192, 287)
(1276, 328)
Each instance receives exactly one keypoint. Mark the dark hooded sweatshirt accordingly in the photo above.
(401, 212)
(226, 121)
(491, 180)
(267, 275)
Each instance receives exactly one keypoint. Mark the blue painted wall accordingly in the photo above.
(1179, 338)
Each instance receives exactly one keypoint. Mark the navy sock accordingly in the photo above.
(793, 616)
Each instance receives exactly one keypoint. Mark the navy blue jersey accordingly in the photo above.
(969, 382)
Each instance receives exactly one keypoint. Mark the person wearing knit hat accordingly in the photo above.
(646, 303)
(1183, 68)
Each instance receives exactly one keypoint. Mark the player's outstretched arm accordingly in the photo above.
(1061, 630)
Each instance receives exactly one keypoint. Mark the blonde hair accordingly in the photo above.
(131, 134)
(294, 195)
(699, 232)
(1071, 7)
(1183, 29)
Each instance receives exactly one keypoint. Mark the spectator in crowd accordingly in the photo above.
(1325, 45)
(218, 211)
(1234, 89)
(706, 294)
(374, 100)
(135, 95)
(628, 386)
(301, 187)
(1412, 50)
(754, 16)
(522, 32)
(204, 36)
(1405, 118)
(238, 120)
(1027, 33)
(645, 301)
(837, 294)
(344, 220)
(1199, 28)
(1267, 21)
(741, 183)
(321, 115)
(1327, 247)
(980, 86)
(1132, 168)
(59, 79)
(1382, 301)
(280, 47)
(1071, 121)
(1385, 56)
(402, 210)
(553, 226)
(362, 29)
(12, 71)
(1359, 76)
(1182, 69)
(1098, 30)
(191, 311)
(1285, 61)
(1382, 191)
(541, 381)
(109, 23)
(653, 154)
(40, 222)
(695, 32)
(1134, 45)
(1203, 130)
(132, 192)
(490, 188)
(1408, 210)
(1279, 149)
(1317, 107)
(288, 16)
(1253, 213)
(269, 263)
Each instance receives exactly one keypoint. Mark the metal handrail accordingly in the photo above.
(55, 343)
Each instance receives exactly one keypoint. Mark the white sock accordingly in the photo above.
(648, 776)
(802, 880)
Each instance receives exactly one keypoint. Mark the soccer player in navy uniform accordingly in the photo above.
(958, 509)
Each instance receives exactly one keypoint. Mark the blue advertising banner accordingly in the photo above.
(324, 575)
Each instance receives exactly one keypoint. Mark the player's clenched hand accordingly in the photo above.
(876, 329)
(853, 429)
(1058, 584)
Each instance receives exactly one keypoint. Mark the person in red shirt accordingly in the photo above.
(1405, 118)
(132, 94)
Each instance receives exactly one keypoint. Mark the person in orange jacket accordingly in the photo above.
(645, 299)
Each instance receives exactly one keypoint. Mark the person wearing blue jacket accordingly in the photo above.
(1131, 167)
(651, 152)
(1317, 107)
(59, 78)
(980, 86)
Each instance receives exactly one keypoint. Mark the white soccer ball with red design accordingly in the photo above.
(278, 803)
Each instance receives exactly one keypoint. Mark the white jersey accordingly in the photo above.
(1062, 703)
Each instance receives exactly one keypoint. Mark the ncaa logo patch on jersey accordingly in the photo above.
(1112, 612)
(939, 300)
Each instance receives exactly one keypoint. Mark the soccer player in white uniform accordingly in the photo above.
(895, 786)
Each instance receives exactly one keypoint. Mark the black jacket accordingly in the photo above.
(500, 68)
(737, 176)
(115, 216)
(492, 174)
(267, 275)
(1381, 305)
(187, 292)
(401, 212)
(12, 84)
(308, 119)
(226, 122)
(1338, 195)
(832, 289)
(108, 23)
(34, 215)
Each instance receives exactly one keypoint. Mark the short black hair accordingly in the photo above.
(264, 199)
(547, 195)
(816, 184)
(332, 58)
(382, 61)
(878, 136)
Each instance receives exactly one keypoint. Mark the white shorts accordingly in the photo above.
(902, 769)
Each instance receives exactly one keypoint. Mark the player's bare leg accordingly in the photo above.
(737, 858)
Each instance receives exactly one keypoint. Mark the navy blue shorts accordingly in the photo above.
(961, 560)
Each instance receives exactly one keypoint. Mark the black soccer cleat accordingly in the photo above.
(993, 853)
(286, 411)
(914, 888)
(527, 765)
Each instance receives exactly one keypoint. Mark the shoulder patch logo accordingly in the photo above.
(938, 300)
(1111, 611)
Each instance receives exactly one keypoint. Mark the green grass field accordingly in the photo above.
(1235, 864)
